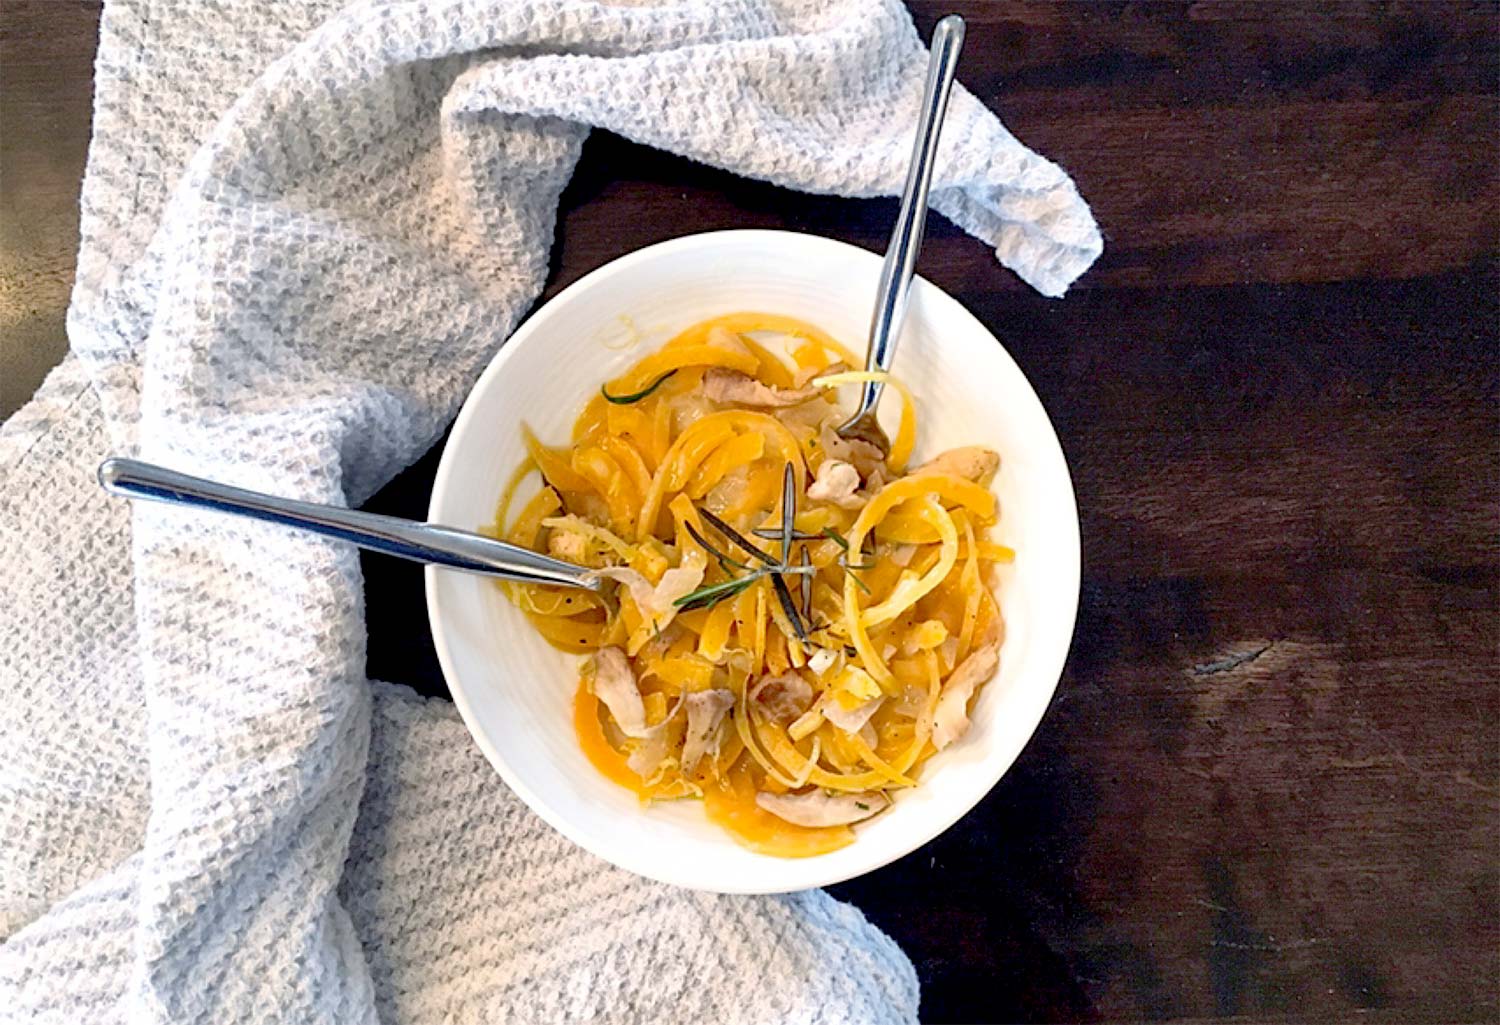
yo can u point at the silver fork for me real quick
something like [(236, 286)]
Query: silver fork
[(906, 237)]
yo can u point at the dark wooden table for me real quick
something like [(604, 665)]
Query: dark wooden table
[(1269, 786)]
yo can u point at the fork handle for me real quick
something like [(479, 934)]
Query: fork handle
[(906, 237), (406, 539)]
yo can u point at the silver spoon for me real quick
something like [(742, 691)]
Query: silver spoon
[(408, 539), (906, 237)]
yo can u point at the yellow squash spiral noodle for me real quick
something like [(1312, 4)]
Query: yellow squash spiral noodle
[(790, 687)]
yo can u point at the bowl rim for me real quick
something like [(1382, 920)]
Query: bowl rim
[(1051, 663)]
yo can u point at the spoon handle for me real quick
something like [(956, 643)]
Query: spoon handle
[(906, 237), (408, 539)]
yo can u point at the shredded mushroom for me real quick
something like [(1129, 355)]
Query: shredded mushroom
[(724, 385), (615, 685), (836, 482), (865, 457), (782, 697), (951, 719), (705, 710), (972, 462)]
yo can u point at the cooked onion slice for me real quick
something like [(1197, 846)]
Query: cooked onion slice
[(658, 603), (851, 720), (819, 808)]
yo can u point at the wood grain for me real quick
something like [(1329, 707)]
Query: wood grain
[(46, 83), (1269, 786)]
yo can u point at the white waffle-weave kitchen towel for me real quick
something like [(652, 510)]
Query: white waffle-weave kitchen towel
[(305, 230)]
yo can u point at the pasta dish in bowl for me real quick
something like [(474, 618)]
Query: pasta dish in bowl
[(748, 708)]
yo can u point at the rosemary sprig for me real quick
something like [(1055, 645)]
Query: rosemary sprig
[(844, 563), (704, 597), (784, 595), (855, 577), (774, 534), (807, 587), (776, 569), (725, 560), (625, 400), (712, 594), (788, 513), (827, 533), (750, 547), (788, 528)]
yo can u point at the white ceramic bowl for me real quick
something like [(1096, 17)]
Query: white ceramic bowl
[(515, 692)]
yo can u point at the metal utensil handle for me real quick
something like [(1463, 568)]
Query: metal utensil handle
[(407, 539), (906, 237)]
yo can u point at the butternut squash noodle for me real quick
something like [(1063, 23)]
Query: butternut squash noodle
[(790, 674)]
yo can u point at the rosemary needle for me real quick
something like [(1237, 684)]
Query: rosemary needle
[(750, 547), (625, 400)]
